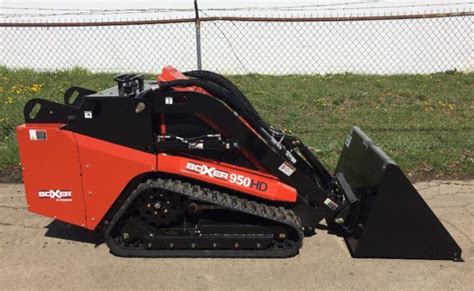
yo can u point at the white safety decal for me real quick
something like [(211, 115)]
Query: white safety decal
[(286, 168), (348, 140), (36, 134), (168, 100), (331, 204)]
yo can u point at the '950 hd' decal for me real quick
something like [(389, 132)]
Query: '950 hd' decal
[(246, 181), (238, 179)]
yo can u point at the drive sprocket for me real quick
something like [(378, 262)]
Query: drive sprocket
[(160, 207)]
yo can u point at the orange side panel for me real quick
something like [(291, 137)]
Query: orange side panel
[(107, 169), (51, 172), (228, 176), (169, 73)]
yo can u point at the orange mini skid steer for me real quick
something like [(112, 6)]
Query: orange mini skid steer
[(184, 166)]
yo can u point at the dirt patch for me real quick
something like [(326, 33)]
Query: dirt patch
[(423, 176), (11, 174)]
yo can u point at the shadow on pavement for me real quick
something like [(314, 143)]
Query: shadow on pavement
[(58, 229)]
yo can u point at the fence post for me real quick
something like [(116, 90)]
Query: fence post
[(197, 24)]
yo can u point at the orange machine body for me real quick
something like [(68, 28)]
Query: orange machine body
[(76, 178), (229, 176), (51, 172), (73, 177)]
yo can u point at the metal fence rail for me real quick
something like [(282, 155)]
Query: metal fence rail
[(420, 43)]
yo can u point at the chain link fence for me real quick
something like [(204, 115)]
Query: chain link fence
[(381, 45), (369, 47), (365, 44)]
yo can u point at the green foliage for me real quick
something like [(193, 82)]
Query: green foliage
[(424, 122)]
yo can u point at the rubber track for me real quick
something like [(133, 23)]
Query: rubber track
[(276, 214)]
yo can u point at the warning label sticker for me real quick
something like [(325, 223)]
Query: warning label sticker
[(331, 204), (286, 168), (88, 114), (37, 134), (348, 140)]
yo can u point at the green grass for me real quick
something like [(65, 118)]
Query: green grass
[(424, 122)]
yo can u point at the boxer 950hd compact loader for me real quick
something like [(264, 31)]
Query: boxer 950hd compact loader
[(183, 166)]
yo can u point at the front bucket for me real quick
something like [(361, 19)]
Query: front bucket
[(393, 220)]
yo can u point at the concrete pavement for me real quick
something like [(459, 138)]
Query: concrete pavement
[(33, 256)]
